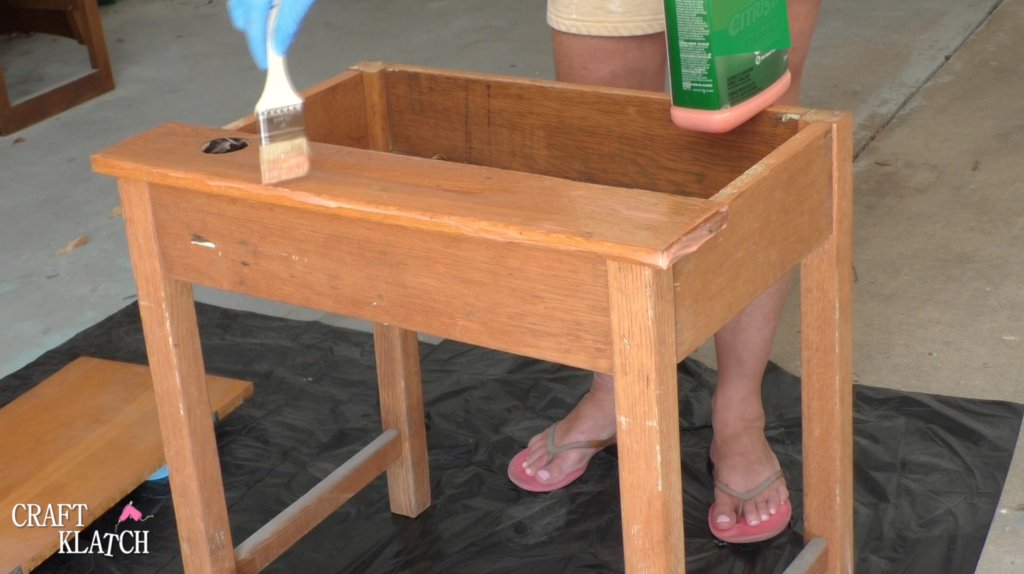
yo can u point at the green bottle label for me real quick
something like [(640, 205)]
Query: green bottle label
[(744, 26), (722, 52)]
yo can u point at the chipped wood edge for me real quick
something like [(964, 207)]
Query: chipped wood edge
[(692, 241)]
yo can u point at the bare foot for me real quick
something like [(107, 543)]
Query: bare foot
[(593, 418), (743, 460)]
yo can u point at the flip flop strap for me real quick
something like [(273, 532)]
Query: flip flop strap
[(554, 450), (745, 496)]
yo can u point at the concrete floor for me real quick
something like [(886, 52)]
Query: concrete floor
[(939, 302)]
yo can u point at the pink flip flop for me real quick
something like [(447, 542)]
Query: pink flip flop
[(517, 474), (743, 533)]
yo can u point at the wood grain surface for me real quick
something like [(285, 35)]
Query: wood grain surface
[(548, 304), (641, 226), (826, 335), (94, 438), (584, 133), (778, 211), (647, 417), (176, 362)]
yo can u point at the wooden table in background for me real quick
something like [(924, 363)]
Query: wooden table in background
[(76, 19), (569, 223)]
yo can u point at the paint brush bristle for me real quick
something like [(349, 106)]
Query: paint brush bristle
[(284, 160), (284, 149)]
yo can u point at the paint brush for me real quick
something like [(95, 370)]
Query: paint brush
[(284, 149)]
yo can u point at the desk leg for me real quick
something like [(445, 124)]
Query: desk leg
[(826, 285), (179, 381), (401, 408), (88, 13), (647, 413)]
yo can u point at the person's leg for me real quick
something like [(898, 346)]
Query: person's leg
[(637, 62), (742, 455), (740, 452)]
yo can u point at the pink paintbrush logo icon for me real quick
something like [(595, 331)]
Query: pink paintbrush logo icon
[(130, 512)]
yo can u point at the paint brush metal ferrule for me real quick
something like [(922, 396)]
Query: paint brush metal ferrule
[(280, 124)]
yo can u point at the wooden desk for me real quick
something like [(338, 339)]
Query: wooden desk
[(77, 19), (533, 217)]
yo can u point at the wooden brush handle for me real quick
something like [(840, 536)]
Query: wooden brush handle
[(278, 92)]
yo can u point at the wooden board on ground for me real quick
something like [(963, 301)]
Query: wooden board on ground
[(89, 434)]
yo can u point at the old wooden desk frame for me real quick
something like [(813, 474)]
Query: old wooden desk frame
[(535, 247), (77, 19)]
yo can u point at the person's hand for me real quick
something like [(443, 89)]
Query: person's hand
[(250, 17)]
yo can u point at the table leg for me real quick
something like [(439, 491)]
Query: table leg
[(401, 408), (827, 389), (647, 413), (183, 403), (88, 13)]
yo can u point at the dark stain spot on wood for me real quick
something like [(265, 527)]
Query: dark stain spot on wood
[(224, 145), (245, 263)]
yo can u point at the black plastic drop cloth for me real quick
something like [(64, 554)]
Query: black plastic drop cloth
[(929, 469)]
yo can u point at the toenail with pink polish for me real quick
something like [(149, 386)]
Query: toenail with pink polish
[(722, 518), (543, 474)]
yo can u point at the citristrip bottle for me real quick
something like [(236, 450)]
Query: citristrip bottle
[(728, 60)]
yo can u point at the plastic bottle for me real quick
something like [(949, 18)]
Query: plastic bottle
[(728, 60)]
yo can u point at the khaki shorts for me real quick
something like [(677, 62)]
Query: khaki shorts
[(607, 17)]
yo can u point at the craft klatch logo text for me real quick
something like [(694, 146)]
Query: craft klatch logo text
[(67, 516)]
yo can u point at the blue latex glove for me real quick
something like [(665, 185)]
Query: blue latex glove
[(250, 17)]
